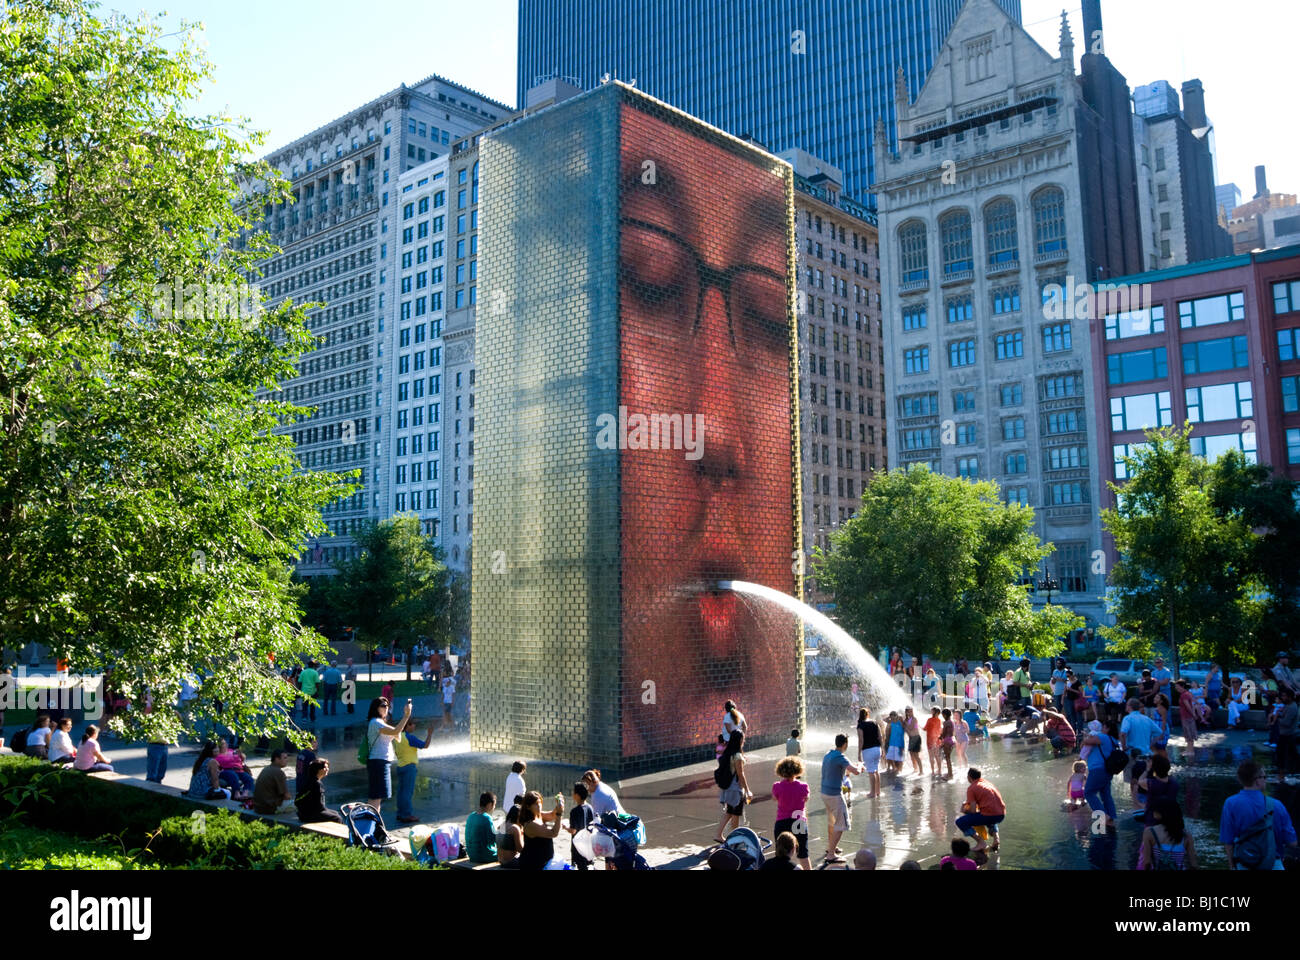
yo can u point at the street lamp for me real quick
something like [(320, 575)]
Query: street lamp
[(1049, 584)]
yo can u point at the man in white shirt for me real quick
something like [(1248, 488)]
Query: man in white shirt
[(38, 738), (515, 786)]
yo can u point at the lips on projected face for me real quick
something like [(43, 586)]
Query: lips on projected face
[(718, 618)]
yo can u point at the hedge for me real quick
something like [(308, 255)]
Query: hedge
[(160, 828), (31, 848)]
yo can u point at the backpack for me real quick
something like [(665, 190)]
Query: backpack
[(1115, 761), (723, 775), (363, 748), (1256, 848), (19, 742)]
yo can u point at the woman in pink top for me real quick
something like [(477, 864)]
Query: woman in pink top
[(89, 758), (791, 795)]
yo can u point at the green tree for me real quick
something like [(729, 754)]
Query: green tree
[(1267, 506), (935, 563), (1184, 576), (398, 589), (148, 513)]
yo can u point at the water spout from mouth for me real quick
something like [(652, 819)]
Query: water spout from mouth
[(882, 693)]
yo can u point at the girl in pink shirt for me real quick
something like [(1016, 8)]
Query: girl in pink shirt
[(791, 796), (89, 758)]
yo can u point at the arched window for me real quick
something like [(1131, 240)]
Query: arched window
[(913, 254), (1049, 221), (1000, 232), (954, 232)]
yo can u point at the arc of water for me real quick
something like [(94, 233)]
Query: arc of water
[(864, 664)]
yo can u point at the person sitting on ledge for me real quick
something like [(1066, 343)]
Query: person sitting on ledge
[(234, 770), (205, 777), (271, 791), (311, 795), (480, 840), (89, 758)]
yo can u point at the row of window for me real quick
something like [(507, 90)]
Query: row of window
[(1056, 338), (1001, 235)]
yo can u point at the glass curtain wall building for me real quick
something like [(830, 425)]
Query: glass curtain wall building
[(812, 74)]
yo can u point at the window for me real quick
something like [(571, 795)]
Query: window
[(1286, 296), (1160, 158), (408, 211), (1065, 458), (1293, 445), (1208, 311), (913, 255), (1290, 391), (917, 360), (1010, 345), (1223, 401), (1138, 365), (914, 318), (1209, 356), (967, 433), (923, 439), (1066, 421), (1288, 344), (1072, 562), (1165, 222), (959, 309), (1006, 300), (919, 405), (1016, 495), (1141, 411), (1065, 494), (968, 467), (1013, 395), (1000, 233), (1135, 323), (1013, 429), (963, 400), (1049, 221), (1123, 451), (1211, 448), (954, 232), (961, 353), (1056, 338), (1015, 463)]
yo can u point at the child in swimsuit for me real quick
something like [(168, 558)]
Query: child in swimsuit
[(1078, 778)]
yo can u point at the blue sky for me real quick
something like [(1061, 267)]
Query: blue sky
[(293, 66)]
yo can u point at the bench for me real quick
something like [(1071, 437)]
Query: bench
[(464, 863)]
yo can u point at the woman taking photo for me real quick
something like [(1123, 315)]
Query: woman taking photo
[(539, 840), (379, 740), (736, 795)]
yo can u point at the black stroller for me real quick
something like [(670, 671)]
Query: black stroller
[(366, 829)]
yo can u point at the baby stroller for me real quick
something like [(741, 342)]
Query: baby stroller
[(366, 829), (616, 838), (744, 850)]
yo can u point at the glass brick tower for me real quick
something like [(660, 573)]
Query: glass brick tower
[(638, 430), (812, 74)]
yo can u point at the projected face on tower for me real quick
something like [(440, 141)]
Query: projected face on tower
[(704, 319)]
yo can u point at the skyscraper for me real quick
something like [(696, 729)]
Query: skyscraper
[(811, 74)]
